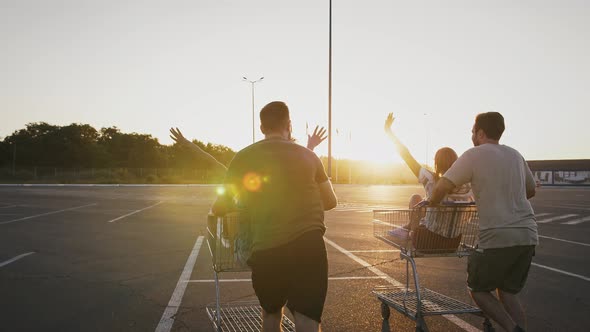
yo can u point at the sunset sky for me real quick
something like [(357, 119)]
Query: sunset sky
[(144, 66)]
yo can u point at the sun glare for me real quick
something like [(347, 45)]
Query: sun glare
[(252, 181)]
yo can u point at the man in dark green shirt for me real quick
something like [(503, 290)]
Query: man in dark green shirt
[(285, 190)]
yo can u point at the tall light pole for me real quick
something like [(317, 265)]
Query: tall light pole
[(427, 131), (252, 83), (330, 95), (350, 160)]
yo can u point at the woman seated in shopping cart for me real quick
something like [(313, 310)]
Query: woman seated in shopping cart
[(443, 159)]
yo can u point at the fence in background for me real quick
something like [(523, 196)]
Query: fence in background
[(108, 175), (341, 174)]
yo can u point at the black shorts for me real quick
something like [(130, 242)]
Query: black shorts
[(295, 274), (505, 269)]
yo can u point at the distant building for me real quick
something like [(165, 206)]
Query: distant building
[(571, 172)]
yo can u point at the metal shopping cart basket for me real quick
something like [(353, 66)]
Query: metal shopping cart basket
[(227, 242), (443, 231)]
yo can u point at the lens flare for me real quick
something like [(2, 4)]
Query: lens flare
[(252, 182), (220, 191)]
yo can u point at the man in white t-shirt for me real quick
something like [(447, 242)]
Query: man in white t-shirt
[(502, 183)]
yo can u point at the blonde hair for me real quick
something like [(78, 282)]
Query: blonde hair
[(443, 160)]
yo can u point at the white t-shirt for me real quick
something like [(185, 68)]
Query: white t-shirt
[(499, 176), (461, 193), (438, 222)]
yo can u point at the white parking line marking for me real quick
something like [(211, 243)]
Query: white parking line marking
[(250, 280), (562, 271), (134, 212), (167, 320), (376, 221), (14, 259), (565, 216), (356, 278), (452, 318), (8, 206), (562, 240), (561, 206), (45, 214), (537, 215), (577, 221)]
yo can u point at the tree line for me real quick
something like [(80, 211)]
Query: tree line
[(44, 152), (76, 145)]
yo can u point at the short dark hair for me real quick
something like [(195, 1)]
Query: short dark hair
[(492, 124), (274, 116)]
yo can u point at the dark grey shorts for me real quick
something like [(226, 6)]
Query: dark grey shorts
[(505, 269), (295, 274)]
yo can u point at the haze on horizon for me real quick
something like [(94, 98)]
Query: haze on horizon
[(145, 66)]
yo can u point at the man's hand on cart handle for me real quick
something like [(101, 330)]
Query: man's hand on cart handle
[(224, 203), (421, 204), (443, 186)]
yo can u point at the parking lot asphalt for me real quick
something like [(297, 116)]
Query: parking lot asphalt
[(114, 258)]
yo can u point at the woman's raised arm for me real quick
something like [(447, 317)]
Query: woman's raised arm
[(401, 148)]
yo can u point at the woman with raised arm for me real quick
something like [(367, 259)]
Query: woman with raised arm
[(443, 159)]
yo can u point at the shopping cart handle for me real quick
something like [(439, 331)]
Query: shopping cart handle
[(463, 203), (444, 203), (422, 204)]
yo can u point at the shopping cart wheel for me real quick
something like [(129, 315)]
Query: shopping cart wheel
[(487, 326), (385, 314)]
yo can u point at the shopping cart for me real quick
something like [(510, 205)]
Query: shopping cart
[(443, 231), (226, 244)]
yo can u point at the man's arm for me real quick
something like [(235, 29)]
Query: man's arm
[(530, 181), (224, 202), (230, 193), (460, 172), (177, 137), (443, 186), (329, 200)]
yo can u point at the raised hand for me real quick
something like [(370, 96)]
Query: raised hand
[(388, 123), (177, 137), (316, 138)]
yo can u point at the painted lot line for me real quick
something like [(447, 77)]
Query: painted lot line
[(577, 221), (562, 240), (565, 216), (14, 259), (454, 319), (45, 214), (8, 206), (167, 319), (561, 271), (134, 212), (561, 206), (250, 280)]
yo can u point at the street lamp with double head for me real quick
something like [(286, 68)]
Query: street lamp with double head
[(252, 83)]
